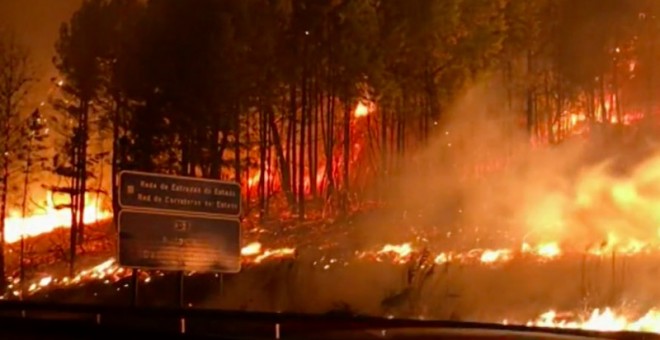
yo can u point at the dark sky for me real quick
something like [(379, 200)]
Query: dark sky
[(36, 23)]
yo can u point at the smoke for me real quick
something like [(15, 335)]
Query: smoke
[(479, 182), (482, 178)]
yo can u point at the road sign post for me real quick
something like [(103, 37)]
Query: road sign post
[(178, 223)]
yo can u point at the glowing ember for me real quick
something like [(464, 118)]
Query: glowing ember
[(50, 218)]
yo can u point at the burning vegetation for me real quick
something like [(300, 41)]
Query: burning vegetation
[(436, 159)]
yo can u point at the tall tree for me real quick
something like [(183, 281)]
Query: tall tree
[(81, 46), (15, 76)]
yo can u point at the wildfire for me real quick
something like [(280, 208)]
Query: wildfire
[(402, 253), (597, 320), (608, 319), (50, 217), (108, 271)]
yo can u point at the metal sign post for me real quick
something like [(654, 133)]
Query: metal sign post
[(178, 224), (134, 283)]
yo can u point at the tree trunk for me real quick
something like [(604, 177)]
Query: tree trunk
[(116, 167), (291, 141), (281, 159), (330, 145), (269, 163), (248, 194), (314, 140), (263, 169), (74, 229), (237, 145), (216, 152), (616, 91), (3, 205), (301, 159), (529, 108), (76, 148), (347, 158), (604, 112), (26, 183), (83, 169), (383, 148)]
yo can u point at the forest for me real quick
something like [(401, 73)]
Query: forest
[(312, 105)]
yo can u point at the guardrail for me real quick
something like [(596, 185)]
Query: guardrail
[(206, 322)]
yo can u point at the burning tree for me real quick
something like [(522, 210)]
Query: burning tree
[(31, 157), (79, 60), (197, 90), (15, 75)]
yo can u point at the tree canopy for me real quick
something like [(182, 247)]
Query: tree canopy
[(265, 92)]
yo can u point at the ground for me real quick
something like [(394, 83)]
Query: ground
[(518, 290), (337, 279)]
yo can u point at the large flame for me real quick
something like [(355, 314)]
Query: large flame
[(50, 217), (601, 320), (600, 210), (621, 211)]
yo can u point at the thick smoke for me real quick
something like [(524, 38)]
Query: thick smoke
[(480, 183), (480, 174)]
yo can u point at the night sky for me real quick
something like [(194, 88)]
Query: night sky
[(37, 23)]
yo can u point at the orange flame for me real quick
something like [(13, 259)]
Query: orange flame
[(51, 218), (605, 320), (361, 110)]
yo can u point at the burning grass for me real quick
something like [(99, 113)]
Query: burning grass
[(421, 278), (588, 245), (491, 285)]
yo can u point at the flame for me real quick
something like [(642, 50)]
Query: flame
[(441, 258), (402, 250), (605, 320), (490, 256), (601, 211), (253, 248), (546, 250), (255, 253), (361, 110), (400, 253), (51, 218)]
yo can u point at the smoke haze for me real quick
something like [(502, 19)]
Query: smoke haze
[(479, 183)]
